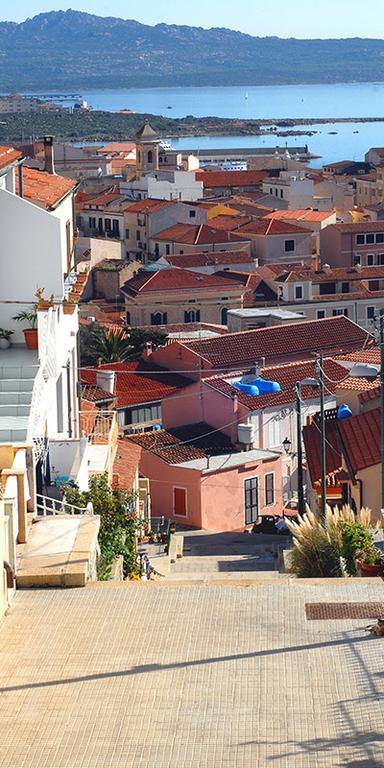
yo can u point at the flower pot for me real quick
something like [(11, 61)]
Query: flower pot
[(5, 343), (31, 339), (69, 309), (370, 570), (43, 306)]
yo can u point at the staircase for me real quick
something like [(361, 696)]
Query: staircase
[(18, 372)]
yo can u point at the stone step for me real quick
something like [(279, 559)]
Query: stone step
[(13, 429), (15, 398), (18, 371), (16, 385), (14, 409)]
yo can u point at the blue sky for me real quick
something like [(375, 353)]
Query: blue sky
[(297, 18)]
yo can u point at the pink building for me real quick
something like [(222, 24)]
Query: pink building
[(199, 478), (344, 245)]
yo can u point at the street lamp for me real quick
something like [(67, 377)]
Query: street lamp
[(300, 476)]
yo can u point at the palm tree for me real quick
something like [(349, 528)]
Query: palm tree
[(103, 346)]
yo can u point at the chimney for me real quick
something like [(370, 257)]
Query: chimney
[(106, 380), (49, 162), (147, 350)]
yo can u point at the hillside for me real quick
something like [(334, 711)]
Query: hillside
[(73, 50)]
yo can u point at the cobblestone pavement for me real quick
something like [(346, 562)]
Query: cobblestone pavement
[(161, 676)]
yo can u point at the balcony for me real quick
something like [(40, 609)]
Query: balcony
[(101, 431)]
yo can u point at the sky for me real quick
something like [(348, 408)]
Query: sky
[(297, 18)]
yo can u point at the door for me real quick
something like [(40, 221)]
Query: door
[(251, 500), (180, 502)]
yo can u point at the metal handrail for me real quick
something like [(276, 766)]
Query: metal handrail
[(46, 506)]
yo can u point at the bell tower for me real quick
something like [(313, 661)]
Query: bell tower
[(147, 150)]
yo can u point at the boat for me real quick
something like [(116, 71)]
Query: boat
[(246, 97), (332, 133), (169, 107), (355, 131)]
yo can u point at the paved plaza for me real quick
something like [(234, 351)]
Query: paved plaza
[(167, 676)]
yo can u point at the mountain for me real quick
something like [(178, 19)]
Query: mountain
[(74, 50)]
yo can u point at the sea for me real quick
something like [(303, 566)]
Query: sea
[(331, 141)]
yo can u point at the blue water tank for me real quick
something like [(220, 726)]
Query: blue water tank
[(344, 412), (247, 389), (266, 387)]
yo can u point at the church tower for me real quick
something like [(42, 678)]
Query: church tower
[(147, 150)]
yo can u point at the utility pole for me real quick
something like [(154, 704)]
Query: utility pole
[(300, 488), (323, 500)]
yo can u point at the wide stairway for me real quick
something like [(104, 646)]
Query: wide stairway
[(18, 368)]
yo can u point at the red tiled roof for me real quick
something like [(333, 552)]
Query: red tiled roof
[(296, 340), (117, 147), (213, 179), (370, 356), (300, 215), (8, 155), (229, 223), (186, 260), (139, 382), (125, 465), (45, 188), (149, 205), (286, 376), (192, 234), (328, 276), (203, 441), (174, 279), (360, 437), (94, 394), (354, 384), (272, 227), (104, 198), (333, 448), (361, 227), (369, 395)]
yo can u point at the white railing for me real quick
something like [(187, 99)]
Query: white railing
[(48, 342), (37, 413), (46, 507)]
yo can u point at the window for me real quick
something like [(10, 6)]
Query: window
[(370, 239), (270, 191), (326, 288), (115, 226), (107, 225), (192, 214), (159, 318), (100, 224), (142, 415), (298, 291), (167, 249), (370, 313), (192, 316), (127, 234), (269, 489), (274, 434), (224, 316), (340, 311), (251, 500), (370, 260), (380, 237), (180, 502), (289, 246), (344, 287), (276, 193), (380, 259), (281, 193), (92, 222), (150, 156), (320, 314), (138, 235), (360, 239)]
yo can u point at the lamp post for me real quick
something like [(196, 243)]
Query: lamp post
[(300, 473)]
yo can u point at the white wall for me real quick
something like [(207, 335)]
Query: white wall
[(30, 256)]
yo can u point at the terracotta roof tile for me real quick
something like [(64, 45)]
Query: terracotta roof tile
[(175, 279), (45, 188), (149, 205), (186, 260), (286, 376), (370, 356), (295, 341), (333, 446), (193, 234), (139, 382), (203, 441), (361, 227), (272, 227), (361, 439), (8, 156), (229, 223), (300, 215)]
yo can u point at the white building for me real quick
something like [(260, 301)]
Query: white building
[(165, 185)]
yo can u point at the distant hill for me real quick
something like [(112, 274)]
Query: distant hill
[(73, 50)]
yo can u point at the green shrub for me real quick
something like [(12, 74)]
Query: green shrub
[(354, 537)]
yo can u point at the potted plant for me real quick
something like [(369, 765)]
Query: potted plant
[(30, 333), (42, 303), (69, 305), (5, 338), (370, 561)]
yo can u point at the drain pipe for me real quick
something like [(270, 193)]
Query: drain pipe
[(21, 183)]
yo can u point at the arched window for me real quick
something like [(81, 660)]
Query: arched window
[(192, 316), (159, 318), (150, 157), (224, 316)]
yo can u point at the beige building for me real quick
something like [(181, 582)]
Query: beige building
[(172, 296), (274, 241), (370, 188)]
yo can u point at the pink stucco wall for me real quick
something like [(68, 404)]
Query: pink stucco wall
[(215, 501), (176, 357), (201, 403)]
